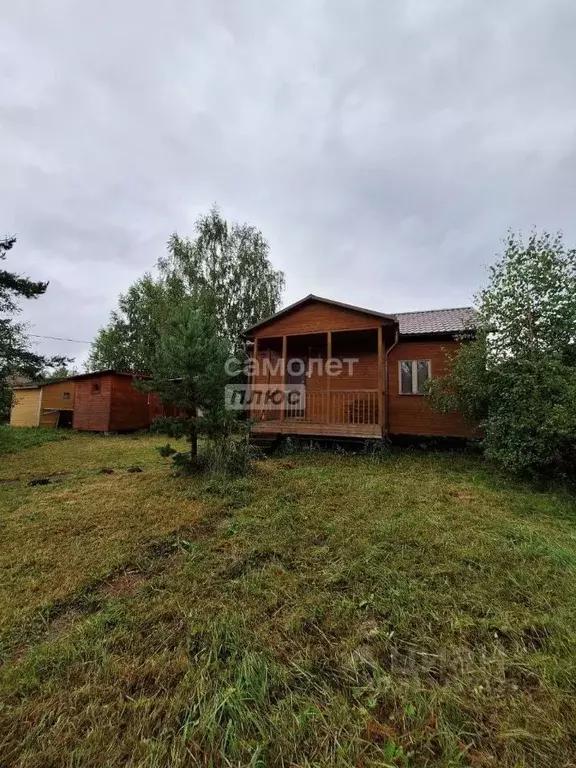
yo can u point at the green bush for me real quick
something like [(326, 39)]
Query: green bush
[(516, 381)]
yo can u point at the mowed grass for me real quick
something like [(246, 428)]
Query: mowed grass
[(325, 611)]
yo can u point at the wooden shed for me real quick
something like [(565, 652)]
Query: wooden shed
[(50, 404), (107, 401)]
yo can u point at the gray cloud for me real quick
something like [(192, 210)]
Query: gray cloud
[(383, 148)]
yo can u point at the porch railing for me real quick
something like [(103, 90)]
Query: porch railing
[(335, 407)]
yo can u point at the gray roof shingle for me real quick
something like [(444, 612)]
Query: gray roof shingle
[(436, 321)]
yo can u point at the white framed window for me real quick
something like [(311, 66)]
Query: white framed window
[(413, 375)]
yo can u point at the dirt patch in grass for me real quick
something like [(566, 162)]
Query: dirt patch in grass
[(123, 585)]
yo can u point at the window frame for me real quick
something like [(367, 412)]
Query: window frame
[(65, 395), (414, 373)]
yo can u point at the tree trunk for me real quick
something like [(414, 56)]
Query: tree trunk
[(193, 438)]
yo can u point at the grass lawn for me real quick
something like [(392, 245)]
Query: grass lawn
[(13, 440), (326, 611)]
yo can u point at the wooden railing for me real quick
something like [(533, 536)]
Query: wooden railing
[(336, 407)]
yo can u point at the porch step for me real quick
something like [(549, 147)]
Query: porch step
[(265, 442)]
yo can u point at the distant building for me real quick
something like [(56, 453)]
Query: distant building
[(102, 401), (43, 405)]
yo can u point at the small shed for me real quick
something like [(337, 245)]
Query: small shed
[(107, 401), (48, 404)]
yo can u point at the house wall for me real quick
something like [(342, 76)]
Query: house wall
[(411, 414), (53, 398), (24, 411), (91, 408)]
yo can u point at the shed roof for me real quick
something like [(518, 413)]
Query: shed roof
[(41, 384), (109, 372), (90, 374)]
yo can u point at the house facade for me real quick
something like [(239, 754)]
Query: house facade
[(347, 371)]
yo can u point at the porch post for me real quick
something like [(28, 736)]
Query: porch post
[(284, 355), (328, 378), (380, 382), (253, 374)]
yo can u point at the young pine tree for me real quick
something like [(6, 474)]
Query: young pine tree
[(189, 372)]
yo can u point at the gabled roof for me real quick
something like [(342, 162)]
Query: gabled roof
[(312, 297), (432, 321), (424, 323)]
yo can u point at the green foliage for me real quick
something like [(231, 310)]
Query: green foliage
[(166, 450), (227, 262), (517, 379), (59, 372), (231, 456), (16, 357), (529, 304), (188, 371), (129, 340), (15, 440)]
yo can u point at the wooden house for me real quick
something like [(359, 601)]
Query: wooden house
[(48, 404), (361, 373), (107, 401)]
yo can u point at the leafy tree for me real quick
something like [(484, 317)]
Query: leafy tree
[(226, 264), (517, 379), (128, 342), (229, 263), (59, 372), (16, 357)]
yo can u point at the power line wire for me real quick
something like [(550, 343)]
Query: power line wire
[(58, 338)]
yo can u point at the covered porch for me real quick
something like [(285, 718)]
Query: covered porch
[(339, 373)]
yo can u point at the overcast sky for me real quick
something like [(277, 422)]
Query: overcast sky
[(383, 148)]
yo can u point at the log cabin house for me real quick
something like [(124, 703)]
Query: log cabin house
[(364, 372)]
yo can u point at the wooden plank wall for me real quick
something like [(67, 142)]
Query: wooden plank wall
[(411, 414), (317, 317), (24, 411), (92, 409), (129, 408)]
